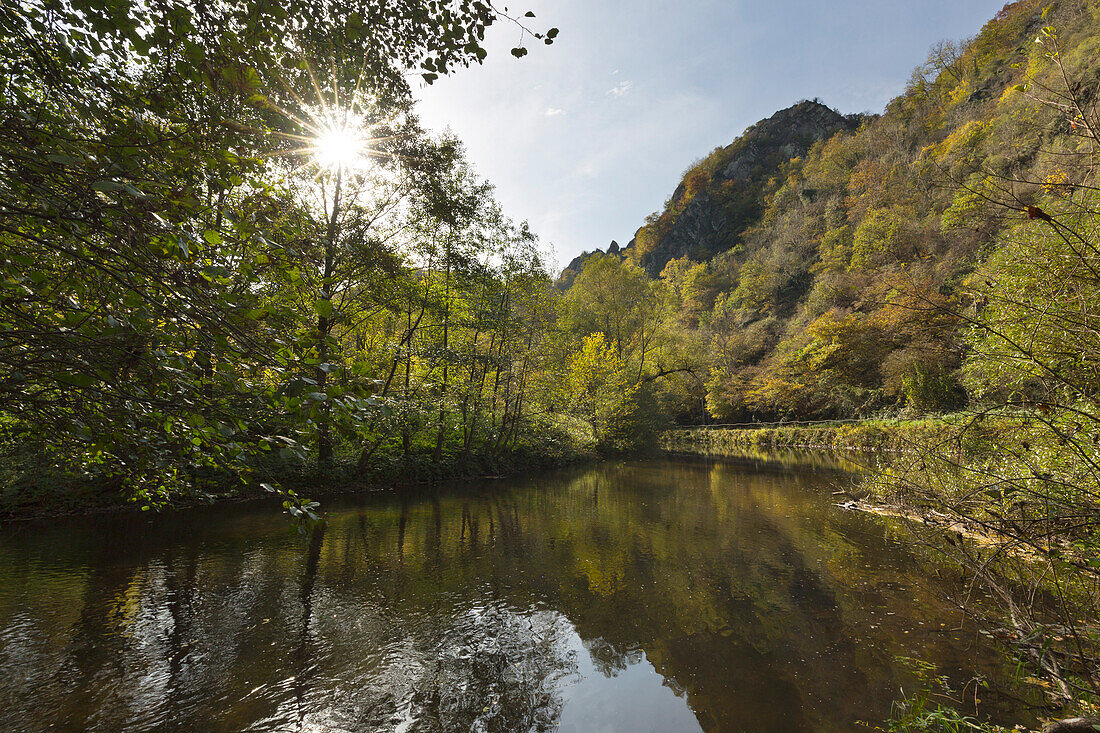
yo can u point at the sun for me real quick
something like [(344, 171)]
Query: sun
[(334, 138), (340, 147)]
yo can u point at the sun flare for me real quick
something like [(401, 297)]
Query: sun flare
[(340, 147)]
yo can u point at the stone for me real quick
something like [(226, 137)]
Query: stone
[(1073, 725)]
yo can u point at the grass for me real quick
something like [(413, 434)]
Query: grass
[(886, 435)]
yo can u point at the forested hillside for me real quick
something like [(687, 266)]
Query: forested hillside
[(941, 258), (827, 266)]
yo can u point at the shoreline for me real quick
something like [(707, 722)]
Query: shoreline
[(894, 436), (311, 483)]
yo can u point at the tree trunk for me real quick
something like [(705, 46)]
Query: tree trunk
[(324, 330)]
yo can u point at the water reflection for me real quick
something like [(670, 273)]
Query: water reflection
[(655, 595), (853, 461)]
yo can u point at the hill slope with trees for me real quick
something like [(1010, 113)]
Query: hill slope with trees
[(823, 265)]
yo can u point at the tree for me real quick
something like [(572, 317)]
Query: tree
[(612, 298), (600, 390), (146, 196)]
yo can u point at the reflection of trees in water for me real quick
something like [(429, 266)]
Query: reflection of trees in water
[(304, 652), (607, 659), (732, 582), (734, 585)]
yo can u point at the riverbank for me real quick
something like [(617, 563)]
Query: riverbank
[(890, 436), (58, 496)]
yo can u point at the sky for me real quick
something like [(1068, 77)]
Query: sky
[(586, 137)]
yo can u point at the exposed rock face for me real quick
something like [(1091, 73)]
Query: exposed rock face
[(565, 280), (789, 132), (718, 213), (700, 231), (712, 223)]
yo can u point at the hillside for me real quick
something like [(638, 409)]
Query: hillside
[(818, 265), (721, 195)]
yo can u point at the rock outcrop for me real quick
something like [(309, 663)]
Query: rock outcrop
[(565, 280), (716, 215), (709, 216)]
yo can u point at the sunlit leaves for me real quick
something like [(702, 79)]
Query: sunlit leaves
[(160, 290)]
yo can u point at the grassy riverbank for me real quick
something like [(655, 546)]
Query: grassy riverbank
[(895, 436)]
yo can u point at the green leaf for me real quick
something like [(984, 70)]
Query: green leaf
[(322, 307), (519, 52), (75, 379), (212, 238)]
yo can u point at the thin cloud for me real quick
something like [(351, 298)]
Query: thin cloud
[(621, 89), (587, 169), (553, 111)]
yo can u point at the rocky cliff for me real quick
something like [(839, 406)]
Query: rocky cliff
[(722, 195), (577, 264)]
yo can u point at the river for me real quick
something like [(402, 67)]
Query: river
[(645, 595)]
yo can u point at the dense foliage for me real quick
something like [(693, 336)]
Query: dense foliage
[(191, 291), (187, 290)]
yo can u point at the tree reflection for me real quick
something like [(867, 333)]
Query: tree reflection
[(753, 598), (608, 660), (303, 657)]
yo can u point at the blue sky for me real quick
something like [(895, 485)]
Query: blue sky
[(586, 137)]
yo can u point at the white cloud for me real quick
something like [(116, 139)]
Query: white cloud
[(621, 89), (553, 111)]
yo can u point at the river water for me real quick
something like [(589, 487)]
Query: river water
[(651, 595)]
